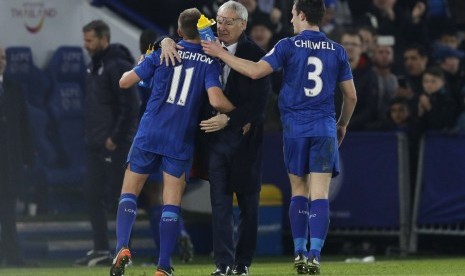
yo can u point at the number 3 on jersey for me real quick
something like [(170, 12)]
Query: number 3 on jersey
[(314, 76), (185, 86)]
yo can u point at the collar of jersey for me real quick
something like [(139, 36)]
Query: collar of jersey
[(312, 33), (190, 45)]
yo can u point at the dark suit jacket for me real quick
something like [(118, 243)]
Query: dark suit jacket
[(18, 145), (249, 97)]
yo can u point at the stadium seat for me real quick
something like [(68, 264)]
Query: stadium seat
[(64, 177), (66, 107), (67, 72), (34, 81), (67, 65)]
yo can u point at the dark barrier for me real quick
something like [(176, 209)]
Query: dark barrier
[(439, 206), (366, 193), (370, 196)]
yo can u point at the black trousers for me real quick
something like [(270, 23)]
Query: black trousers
[(226, 250), (105, 173), (9, 236)]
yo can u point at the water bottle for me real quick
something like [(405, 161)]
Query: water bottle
[(147, 83), (204, 26)]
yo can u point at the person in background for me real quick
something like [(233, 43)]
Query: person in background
[(312, 66), (449, 60), (16, 151), (369, 38), (365, 80), (415, 62), (165, 138), (273, 16), (401, 119), (261, 33), (383, 58), (111, 118), (151, 197), (388, 18), (329, 25), (437, 109)]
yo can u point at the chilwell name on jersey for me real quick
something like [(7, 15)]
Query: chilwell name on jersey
[(195, 56), (323, 45)]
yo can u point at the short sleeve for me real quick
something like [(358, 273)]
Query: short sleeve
[(213, 75), (147, 67), (276, 56)]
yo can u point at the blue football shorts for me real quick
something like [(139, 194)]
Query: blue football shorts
[(311, 154), (146, 162)]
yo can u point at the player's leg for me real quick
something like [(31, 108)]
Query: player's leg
[(153, 203), (140, 164), (298, 216), (324, 163), (126, 215), (296, 160), (173, 189), (319, 217)]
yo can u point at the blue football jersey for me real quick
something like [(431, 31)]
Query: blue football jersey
[(312, 67), (169, 123)]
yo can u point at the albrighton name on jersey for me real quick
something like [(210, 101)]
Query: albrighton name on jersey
[(195, 56)]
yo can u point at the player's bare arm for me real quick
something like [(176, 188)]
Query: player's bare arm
[(218, 100), (253, 70), (348, 105), (128, 79)]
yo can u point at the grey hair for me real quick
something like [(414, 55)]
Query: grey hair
[(237, 7)]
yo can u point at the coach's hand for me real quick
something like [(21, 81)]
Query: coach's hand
[(213, 48), (246, 128), (109, 145), (215, 123), (169, 51)]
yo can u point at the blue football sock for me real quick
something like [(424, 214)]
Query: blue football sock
[(298, 215), (319, 223), (125, 217), (169, 230), (155, 216)]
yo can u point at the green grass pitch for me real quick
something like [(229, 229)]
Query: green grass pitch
[(267, 266)]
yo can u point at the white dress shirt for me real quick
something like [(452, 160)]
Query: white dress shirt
[(226, 69)]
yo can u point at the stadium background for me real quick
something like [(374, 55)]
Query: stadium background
[(52, 222)]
